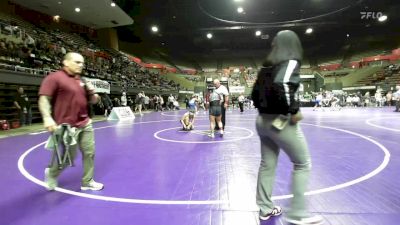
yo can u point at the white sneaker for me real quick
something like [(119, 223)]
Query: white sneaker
[(221, 133), (211, 135), (311, 220), (276, 211), (51, 182), (93, 186)]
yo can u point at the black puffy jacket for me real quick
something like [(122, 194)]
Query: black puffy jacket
[(275, 91)]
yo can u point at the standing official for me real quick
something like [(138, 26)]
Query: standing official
[(223, 92), (64, 99)]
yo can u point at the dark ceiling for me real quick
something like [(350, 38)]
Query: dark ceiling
[(183, 25)]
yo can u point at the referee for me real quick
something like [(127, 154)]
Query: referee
[(224, 94)]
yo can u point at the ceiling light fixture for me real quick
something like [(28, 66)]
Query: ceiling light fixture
[(240, 10), (209, 35), (382, 18), (154, 29), (309, 30), (238, 0), (258, 33), (56, 18), (77, 9), (113, 4)]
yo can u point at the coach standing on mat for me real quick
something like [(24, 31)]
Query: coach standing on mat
[(222, 91), (64, 99), (275, 94)]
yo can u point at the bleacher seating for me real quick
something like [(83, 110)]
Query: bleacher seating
[(391, 76), (372, 79), (336, 73), (362, 55), (46, 55), (38, 51)]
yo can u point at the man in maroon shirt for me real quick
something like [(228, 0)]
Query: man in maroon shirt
[(64, 100)]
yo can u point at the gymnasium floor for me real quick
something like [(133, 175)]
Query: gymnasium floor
[(155, 174)]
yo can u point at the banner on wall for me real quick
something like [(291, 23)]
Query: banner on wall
[(236, 89), (359, 88), (186, 92), (100, 86)]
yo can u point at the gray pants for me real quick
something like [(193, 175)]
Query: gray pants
[(85, 140), (291, 140)]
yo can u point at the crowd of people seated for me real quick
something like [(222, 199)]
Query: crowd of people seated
[(357, 99), (391, 69), (19, 51), (193, 78)]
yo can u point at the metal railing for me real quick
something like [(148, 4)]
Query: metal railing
[(18, 68), (11, 30)]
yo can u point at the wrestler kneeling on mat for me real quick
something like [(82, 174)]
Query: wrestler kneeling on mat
[(187, 120)]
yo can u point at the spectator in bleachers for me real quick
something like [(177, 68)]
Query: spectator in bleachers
[(63, 50), (28, 41), (3, 48)]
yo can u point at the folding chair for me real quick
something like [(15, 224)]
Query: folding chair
[(62, 155)]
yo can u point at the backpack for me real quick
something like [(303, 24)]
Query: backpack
[(4, 125)]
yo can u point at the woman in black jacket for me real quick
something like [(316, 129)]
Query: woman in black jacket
[(276, 98)]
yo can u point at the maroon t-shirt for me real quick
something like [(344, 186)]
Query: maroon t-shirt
[(69, 102)]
